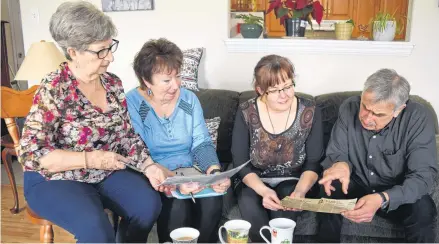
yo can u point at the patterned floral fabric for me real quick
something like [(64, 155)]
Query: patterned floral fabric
[(281, 154), (61, 117), (212, 126), (189, 69)]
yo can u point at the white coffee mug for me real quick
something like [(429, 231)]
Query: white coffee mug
[(237, 231), (185, 235), (281, 230)]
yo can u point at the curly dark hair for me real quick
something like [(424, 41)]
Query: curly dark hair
[(156, 56)]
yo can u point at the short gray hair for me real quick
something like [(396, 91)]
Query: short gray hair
[(79, 24), (388, 86)]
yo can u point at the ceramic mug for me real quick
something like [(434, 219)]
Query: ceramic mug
[(185, 235), (237, 231), (281, 230)]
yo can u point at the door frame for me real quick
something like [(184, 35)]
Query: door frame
[(17, 40)]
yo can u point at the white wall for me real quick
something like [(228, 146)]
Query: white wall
[(196, 23)]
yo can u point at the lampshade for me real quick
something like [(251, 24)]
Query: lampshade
[(41, 59)]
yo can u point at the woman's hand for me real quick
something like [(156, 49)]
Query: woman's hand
[(188, 188), (99, 159), (156, 174), (270, 200), (221, 186), (296, 194)]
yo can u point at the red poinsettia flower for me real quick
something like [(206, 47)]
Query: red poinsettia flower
[(303, 9)]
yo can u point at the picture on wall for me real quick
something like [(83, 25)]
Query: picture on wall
[(127, 5)]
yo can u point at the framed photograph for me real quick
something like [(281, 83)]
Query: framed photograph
[(127, 5)]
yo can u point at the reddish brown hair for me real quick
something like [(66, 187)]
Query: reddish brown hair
[(156, 56), (272, 70)]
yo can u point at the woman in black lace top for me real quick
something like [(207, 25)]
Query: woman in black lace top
[(282, 134)]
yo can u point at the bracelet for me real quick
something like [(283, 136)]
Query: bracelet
[(85, 159), (147, 166)]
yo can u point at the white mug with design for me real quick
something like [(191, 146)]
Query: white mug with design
[(237, 231), (281, 230)]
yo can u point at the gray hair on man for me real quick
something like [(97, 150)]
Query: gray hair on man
[(79, 24), (388, 86)]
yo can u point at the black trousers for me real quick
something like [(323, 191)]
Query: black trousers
[(250, 206), (204, 215), (417, 218)]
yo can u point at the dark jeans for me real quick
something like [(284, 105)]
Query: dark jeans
[(417, 218), (203, 215), (79, 207), (250, 206)]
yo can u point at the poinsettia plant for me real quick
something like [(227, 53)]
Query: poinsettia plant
[(302, 9)]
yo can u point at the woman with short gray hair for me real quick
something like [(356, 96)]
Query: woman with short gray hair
[(78, 146)]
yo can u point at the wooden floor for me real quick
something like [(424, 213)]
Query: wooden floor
[(16, 228)]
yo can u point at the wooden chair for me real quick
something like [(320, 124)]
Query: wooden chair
[(16, 104)]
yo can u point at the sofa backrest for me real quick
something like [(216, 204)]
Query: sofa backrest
[(224, 103)]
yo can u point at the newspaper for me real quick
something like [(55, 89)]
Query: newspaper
[(202, 179), (323, 205)]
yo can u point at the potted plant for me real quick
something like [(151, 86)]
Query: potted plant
[(293, 14), (384, 26), (343, 30), (252, 26)]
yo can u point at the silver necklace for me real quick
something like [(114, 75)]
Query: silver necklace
[(286, 123)]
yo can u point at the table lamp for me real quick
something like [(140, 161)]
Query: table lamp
[(41, 59)]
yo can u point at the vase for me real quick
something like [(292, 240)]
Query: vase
[(251, 30), (295, 27), (384, 34), (343, 31)]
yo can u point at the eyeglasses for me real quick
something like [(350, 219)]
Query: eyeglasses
[(104, 52), (285, 89)]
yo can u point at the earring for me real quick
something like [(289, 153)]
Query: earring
[(149, 92), (77, 64)]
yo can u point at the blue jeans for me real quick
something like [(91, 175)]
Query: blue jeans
[(79, 207)]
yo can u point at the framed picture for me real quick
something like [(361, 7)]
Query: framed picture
[(127, 5)]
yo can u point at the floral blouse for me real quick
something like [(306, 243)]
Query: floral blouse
[(61, 117)]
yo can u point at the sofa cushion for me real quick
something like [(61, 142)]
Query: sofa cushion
[(189, 68), (223, 104), (212, 127)]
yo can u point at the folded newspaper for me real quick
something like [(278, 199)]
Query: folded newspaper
[(183, 175), (323, 205)]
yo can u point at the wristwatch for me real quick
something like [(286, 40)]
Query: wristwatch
[(385, 202), (214, 171)]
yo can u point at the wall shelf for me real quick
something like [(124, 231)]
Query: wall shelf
[(315, 46)]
